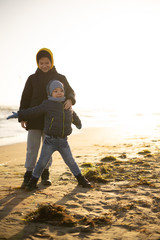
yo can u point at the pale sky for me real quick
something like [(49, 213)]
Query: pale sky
[(109, 50)]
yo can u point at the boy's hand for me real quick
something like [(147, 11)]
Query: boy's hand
[(79, 126), (24, 124), (14, 115), (67, 104)]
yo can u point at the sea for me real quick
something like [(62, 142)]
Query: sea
[(131, 125)]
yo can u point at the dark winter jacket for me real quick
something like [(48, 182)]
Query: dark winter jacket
[(34, 93), (57, 120)]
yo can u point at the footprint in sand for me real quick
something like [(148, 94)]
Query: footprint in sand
[(72, 204)]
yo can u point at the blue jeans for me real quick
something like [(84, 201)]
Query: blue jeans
[(50, 145)]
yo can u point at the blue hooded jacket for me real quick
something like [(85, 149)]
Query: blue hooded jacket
[(57, 120)]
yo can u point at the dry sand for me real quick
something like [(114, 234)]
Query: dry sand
[(130, 199)]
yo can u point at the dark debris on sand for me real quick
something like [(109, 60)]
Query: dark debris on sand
[(57, 215)]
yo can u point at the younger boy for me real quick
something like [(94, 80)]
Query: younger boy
[(57, 126)]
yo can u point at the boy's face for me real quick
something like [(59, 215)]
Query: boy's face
[(58, 93), (44, 64)]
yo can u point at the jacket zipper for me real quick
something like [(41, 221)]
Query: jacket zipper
[(63, 121), (51, 123)]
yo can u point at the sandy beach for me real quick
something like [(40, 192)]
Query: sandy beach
[(124, 202)]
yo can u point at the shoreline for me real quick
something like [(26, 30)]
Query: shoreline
[(106, 134)]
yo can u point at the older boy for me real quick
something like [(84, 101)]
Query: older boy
[(33, 94)]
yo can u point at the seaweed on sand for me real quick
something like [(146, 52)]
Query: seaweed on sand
[(132, 170), (87, 164), (105, 219), (98, 173), (108, 159), (53, 214), (57, 215), (144, 152)]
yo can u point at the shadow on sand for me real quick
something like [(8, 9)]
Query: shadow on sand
[(40, 229)]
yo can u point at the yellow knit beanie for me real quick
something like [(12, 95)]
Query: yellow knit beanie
[(45, 52)]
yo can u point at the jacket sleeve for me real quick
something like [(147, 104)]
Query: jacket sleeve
[(69, 92), (26, 114), (76, 121), (26, 95)]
